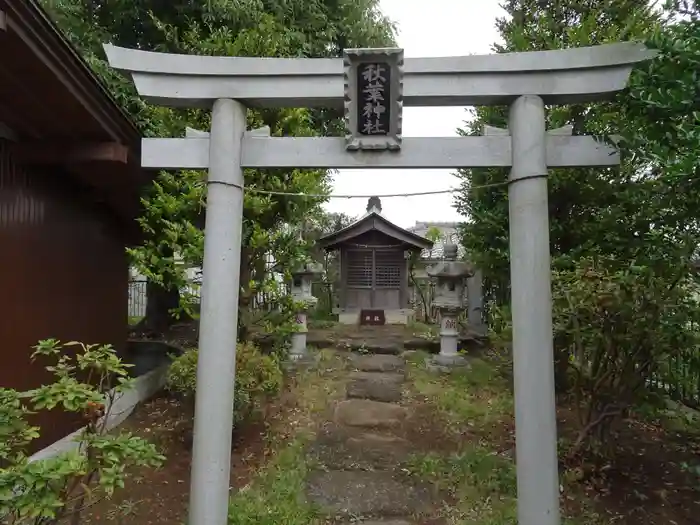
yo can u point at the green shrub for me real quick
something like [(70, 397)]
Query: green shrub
[(59, 488), (258, 376), (320, 324), (616, 327)]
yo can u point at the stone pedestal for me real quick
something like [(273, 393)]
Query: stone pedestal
[(449, 334), (302, 279), (450, 275), (298, 349)]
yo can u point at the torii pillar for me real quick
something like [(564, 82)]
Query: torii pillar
[(531, 306)]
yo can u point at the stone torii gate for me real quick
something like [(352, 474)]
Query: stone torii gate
[(524, 81)]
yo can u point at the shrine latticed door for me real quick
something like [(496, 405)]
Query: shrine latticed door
[(374, 278)]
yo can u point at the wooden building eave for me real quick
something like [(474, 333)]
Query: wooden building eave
[(28, 20), (374, 221), (58, 114), (53, 152)]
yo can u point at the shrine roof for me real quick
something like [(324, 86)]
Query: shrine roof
[(373, 220)]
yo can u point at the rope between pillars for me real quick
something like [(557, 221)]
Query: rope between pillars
[(224, 183), (368, 195), (527, 177), (375, 246)]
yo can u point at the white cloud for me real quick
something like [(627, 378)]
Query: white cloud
[(438, 28)]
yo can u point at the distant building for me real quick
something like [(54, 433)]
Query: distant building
[(449, 232)]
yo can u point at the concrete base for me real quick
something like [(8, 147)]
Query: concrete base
[(396, 316), (299, 363), (298, 348), (446, 364)]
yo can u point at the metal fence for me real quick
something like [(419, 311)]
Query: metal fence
[(138, 295), (679, 377), (137, 298)]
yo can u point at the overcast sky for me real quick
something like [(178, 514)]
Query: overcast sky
[(436, 28)]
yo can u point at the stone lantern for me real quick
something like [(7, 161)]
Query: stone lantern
[(451, 275), (302, 278)]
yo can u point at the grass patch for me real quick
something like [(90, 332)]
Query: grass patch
[(275, 495), (321, 323), (672, 416), (419, 329), (318, 387), (481, 483), (477, 405), (477, 398), (483, 487)]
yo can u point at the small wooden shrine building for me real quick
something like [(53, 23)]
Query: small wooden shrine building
[(374, 271)]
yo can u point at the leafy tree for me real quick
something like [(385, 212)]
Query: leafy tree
[(325, 224), (634, 227), (578, 198), (660, 113), (173, 208), (420, 286), (433, 234)]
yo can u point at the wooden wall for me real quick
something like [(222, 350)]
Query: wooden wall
[(63, 274)]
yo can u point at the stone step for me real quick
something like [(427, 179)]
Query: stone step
[(377, 347), (368, 413), (392, 346), (344, 448), (388, 521), (367, 494), (379, 386), (379, 363)]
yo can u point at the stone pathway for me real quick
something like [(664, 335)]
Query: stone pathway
[(387, 339), (358, 451)]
